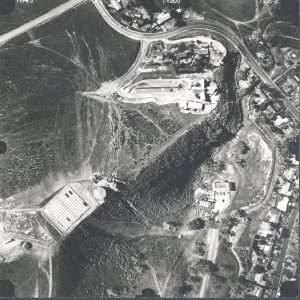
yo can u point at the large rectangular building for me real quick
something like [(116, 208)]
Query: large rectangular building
[(68, 207)]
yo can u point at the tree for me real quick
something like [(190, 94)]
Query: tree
[(201, 251), (244, 148), (213, 267), (197, 224), (259, 269), (204, 266), (221, 166), (185, 289)]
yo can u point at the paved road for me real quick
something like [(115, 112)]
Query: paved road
[(145, 38), (130, 74), (52, 14), (19, 210), (209, 26), (204, 285), (241, 47), (213, 242), (50, 282)]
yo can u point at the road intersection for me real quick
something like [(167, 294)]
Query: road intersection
[(207, 26), (145, 39)]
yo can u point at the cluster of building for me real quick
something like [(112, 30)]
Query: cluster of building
[(185, 70), (189, 55), (27, 226), (266, 250), (268, 256), (261, 267), (211, 203), (288, 184), (260, 49), (291, 261), (143, 17), (290, 84), (41, 227), (273, 111), (290, 57)]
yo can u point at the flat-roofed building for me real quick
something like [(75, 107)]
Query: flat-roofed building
[(222, 186), (70, 206), (282, 204), (221, 195)]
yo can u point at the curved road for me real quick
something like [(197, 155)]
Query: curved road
[(146, 38), (230, 36), (209, 26)]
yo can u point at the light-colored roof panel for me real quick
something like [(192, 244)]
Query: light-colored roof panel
[(69, 207)]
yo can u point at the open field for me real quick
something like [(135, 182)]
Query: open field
[(227, 271), (240, 10), (283, 34), (25, 12), (252, 161), (57, 130), (22, 273), (41, 85), (255, 168)]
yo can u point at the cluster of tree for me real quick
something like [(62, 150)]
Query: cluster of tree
[(206, 266), (185, 289), (148, 293), (244, 147), (196, 224), (201, 248)]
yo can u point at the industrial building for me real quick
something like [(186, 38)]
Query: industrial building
[(69, 207)]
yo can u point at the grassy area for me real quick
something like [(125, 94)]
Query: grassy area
[(284, 28), (39, 98), (83, 32), (240, 10), (245, 239), (22, 273), (253, 160), (25, 12), (284, 34), (90, 268), (47, 125), (206, 9), (222, 280)]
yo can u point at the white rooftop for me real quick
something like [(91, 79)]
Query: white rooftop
[(71, 205), (285, 189), (265, 229), (283, 204), (280, 121), (289, 174)]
